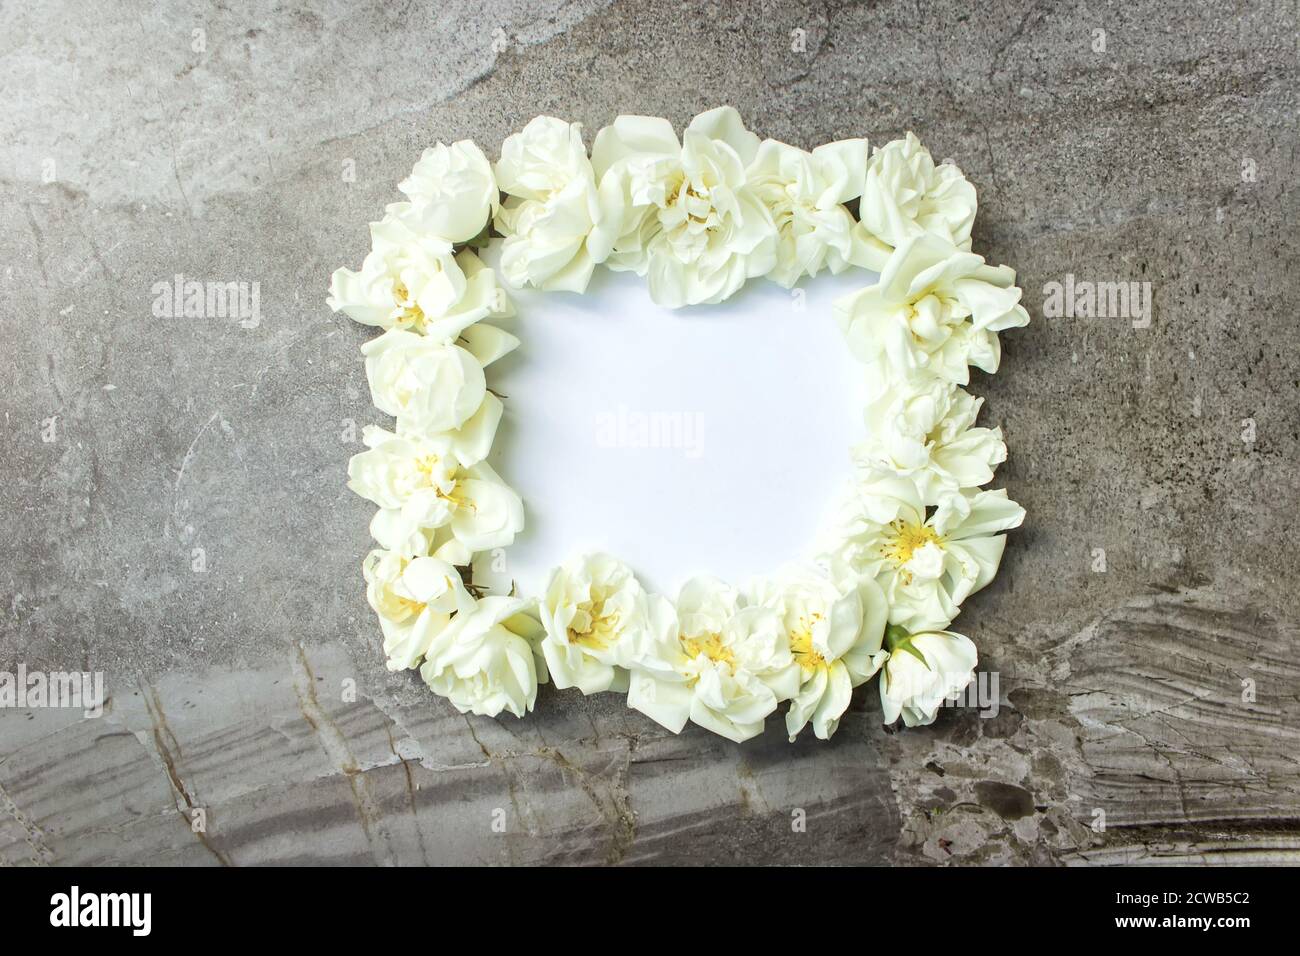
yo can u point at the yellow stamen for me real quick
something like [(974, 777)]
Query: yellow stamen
[(600, 633), (801, 645), (411, 606), (907, 538), (711, 646), (457, 500), (412, 316)]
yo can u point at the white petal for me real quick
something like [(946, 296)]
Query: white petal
[(668, 703), (473, 440), (834, 702), (487, 343)]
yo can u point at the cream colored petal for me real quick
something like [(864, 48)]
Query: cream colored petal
[(632, 135), (833, 703), (667, 703), (804, 704), (487, 343), (733, 730), (350, 293), (473, 440), (453, 551), (489, 516), (723, 123)]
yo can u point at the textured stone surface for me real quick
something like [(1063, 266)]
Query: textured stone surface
[(1164, 151)]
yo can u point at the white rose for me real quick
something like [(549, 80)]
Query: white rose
[(431, 385), (411, 280), (923, 671), (551, 206), (415, 599), (906, 195), (926, 567), (595, 614), (722, 666), (434, 387), (935, 310), (452, 191), (486, 660), (804, 193), (834, 621), (420, 485), (924, 429), (683, 213)]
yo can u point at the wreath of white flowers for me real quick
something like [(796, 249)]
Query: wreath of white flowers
[(914, 535)]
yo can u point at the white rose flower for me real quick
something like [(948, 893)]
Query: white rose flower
[(486, 660), (935, 310), (551, 209), (722, 666), (683, 213), (434, 387), (926, 566), (923, 429), (411, 280), (923, 671), (907, 195), (834, 622), (596, 617), (452, 191), (420, 485), (804, 193), (415, 599)]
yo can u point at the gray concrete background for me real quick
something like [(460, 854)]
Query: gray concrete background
[(128, 154)]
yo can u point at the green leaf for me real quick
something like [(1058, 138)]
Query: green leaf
[(895, 635), (898, 638), (907, 646)]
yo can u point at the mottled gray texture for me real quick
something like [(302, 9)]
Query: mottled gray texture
[(1169, 157)]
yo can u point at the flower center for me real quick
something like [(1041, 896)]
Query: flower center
[(411, 606), (410, 315), (697, 206), (599, 630), (801, 645), (711, 646), (906, 539), (401, 608), (687, 216), (457, 500)]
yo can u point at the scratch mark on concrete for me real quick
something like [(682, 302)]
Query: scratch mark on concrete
[(180, 475), (33, 834)]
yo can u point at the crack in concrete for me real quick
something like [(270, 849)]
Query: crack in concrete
[(335, 745), (158, 720)]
